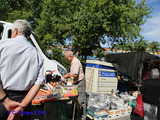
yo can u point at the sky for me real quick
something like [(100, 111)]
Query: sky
[(151, 29)]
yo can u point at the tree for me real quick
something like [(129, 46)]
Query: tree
[(8, 6), (154, 46), (125, 31), (137, 45), (99, 54), (140, 45), (86, 23), (57, 55), (119, 20)]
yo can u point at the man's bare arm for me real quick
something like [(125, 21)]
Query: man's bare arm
[(8, 103), (30, 95), (69, 75)]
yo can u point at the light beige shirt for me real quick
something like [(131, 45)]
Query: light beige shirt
[(76, 68)]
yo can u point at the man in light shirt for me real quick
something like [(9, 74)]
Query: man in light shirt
[(21, 72), (76, 71)]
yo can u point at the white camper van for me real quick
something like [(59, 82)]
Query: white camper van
[(49, 65)]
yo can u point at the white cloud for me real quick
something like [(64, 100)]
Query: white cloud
[(152, 28)]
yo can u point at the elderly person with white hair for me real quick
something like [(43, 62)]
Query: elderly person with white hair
[(151, 93), (76, 71), (21, 73)]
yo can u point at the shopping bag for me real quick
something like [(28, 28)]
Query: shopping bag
[(139, 106)]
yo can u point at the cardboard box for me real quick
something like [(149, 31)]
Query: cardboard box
[(111, 114), (129, 110), (117, 113), (69, 91), (102, 115), (123, 112)]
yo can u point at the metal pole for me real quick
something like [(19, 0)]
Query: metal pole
[(74, 107)]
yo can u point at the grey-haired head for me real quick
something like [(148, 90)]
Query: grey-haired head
[(23, 27), (68, 54), (154, 73)]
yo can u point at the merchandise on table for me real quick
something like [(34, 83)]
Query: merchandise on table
[(115, 105), (42, 97), (54, 91), (68, 91)]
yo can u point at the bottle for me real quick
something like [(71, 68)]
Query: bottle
[(112, 92)]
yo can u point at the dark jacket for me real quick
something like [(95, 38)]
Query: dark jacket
[(151, 91)]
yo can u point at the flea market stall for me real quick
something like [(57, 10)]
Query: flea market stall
[(103, 100), (130, 63), (111, 104), (51, 101)]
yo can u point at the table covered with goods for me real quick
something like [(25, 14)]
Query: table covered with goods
[(109, 106), (50, 93), (52, 99)]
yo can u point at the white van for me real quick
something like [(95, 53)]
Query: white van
[(49, 65)]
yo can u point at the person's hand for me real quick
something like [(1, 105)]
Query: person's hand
[(63, 79), (10, 104), (66, 76), (16, 114)]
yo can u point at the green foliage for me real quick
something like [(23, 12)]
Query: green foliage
[(140, 45), (8, 6), (84, 22), (137, 45), (125, 27), (57, 55), (100, 53), (154, 46)]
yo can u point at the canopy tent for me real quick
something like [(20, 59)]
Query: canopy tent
[(129, 63)]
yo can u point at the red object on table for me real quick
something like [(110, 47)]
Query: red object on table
[(42, 97)]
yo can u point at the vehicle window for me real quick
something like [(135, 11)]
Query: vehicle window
[(9, 33), (1, 31)]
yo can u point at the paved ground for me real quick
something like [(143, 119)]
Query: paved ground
[(133, 116), (123, 118)]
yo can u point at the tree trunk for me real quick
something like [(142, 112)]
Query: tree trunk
[(85, 57)]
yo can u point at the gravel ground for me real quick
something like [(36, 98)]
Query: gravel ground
[(121, 118), (124, 118)]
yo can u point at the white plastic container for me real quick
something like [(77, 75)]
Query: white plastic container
[(102, 79)]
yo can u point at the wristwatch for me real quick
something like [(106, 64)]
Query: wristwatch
[(2, 100)]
